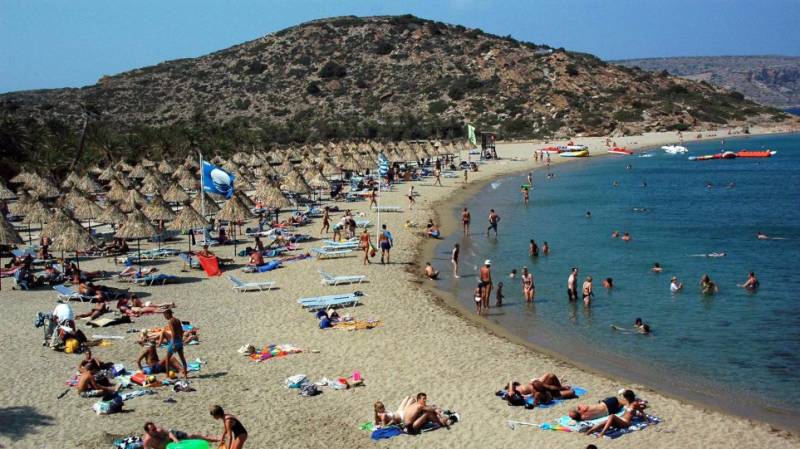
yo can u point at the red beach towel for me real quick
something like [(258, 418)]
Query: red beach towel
[(210, 265)]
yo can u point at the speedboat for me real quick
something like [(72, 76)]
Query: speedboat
[(621, 151), (675, 149)]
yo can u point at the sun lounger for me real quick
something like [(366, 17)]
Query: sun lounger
[(32, 252), (189, 261), (340, 246), (330, 279), (323, 302), (151, 279), (334, 254), (241, 286), (69, 294), (353, 241), (387, 209), (363, 223)]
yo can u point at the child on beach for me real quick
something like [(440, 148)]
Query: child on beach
[(499, 295), (478, 296)]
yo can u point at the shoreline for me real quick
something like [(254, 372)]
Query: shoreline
[(445, 214)]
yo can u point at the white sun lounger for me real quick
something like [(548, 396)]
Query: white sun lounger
[(363, 223), (352, 241), (324, 254), (241, 286), (323, 302), (387, 209), (330, 279), (69, 294)]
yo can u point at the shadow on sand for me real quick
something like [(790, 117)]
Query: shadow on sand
[(16, 422)]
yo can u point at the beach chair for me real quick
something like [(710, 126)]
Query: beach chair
[(338, 246), (208, 240), (363, 223), (189, 261), (151, 279), (330, 279), (333, 254), (241, 286), (386, 208), (351, 241), (324, 302), (68, 294)]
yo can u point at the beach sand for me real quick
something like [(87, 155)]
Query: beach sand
[(424, 345)]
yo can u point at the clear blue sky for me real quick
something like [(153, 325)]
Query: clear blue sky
[(60, 43)]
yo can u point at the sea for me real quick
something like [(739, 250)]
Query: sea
[(738, 351)]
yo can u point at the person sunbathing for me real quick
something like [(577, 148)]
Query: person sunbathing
[(549, 382), (608, 406), (51, 276), (430, 272), (92, 363), (134, 306), (131, 272), (100, 307), (419, 413), (152, 365), (157, 438), (633, 410), (256, 259), (154, 335), (384, 418)]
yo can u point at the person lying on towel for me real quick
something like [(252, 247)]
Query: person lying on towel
[(608, 406)]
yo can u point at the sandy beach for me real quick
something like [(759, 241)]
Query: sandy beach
[(425, 344)]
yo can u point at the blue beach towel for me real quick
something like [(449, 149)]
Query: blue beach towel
[(578, 392), (384, 433), (268, 266)]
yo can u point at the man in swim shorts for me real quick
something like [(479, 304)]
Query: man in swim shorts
[(174, 330), (465, 219), (486, 282), (416, 415), (493, 220), (608, 406), (157, 438), (572, 285)]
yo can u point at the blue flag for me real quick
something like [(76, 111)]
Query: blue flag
[(383, 165), (217, 180)]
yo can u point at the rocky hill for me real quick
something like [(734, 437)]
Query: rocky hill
[(388, 77), (768, 80)]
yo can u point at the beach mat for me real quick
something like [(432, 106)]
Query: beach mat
[(104, 321), (567, 424), (356, 325), (529, 401)]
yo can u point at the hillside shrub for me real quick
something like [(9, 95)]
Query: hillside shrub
[(332, 70)]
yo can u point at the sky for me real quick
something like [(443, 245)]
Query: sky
[(72, 43)]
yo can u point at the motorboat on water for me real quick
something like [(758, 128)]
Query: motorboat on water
[(675, 149)]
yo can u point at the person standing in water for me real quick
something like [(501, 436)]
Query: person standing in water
[(588, 291), (478, 297), (545, 248), (528, 289), (486, 280), (493, 220), (572, 285), (465, 219), (525, 194), (751, 283), (454, 259), (533, 249)]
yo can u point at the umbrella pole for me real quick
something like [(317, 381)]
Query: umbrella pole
[(234, 240), (30, 239), (77, 261), (1, 265)]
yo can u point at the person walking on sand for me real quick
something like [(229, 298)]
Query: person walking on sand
[(373, 198), (365, 244), (326, 221), (588, 291), (572, 285), (466, 177), (493, 220), (385, 241), (411, 200), (465, 219), (486, 281), (174, 330), (437, 174), (528, 289), (234, 434), (454, 259)]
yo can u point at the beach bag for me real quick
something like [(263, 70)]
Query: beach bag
[(309, 390), (71, 346), (296, 381)]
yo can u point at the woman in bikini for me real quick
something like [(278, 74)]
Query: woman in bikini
[(235, 434), (527, 285), (365, 244), (465, 218), (326, 222)]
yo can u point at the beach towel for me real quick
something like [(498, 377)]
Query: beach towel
[(274, 351), (502, 394), (132, 442), (567, 424), (104, 321), (268, 266), (210, 265), (384, 433), (357, 325)]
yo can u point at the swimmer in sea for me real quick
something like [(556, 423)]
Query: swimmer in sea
[(615, 234), (674, 285), (615, 184), (641, 327), (545, 248), (761, 236), (717, 254), (707, 286), (608, 283), (644, 184), (751, 283), (513, 273), (588, 214), (656, 268), (626, 237)]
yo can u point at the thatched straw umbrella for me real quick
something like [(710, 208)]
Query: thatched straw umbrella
[(72, 238), (294, 182), (175, 194), (165, 168), (45, 188), (22, 178), (136, 226), (88, 185), (147, 163), (188, 182), (86, 210), (35, 212), (8, 236), (180, 172), (108, 174), (111, 215), (285, 168), (230, 166), (188, 219), (158, 210), (234, 210), (271, 196), (70, 181), (211, 205), (116, 192), (124, 167), (139, 172), (240, 157)]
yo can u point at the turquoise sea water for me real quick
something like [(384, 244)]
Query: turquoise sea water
[(736, 349)]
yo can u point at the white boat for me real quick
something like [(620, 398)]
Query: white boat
[(675, 149)]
